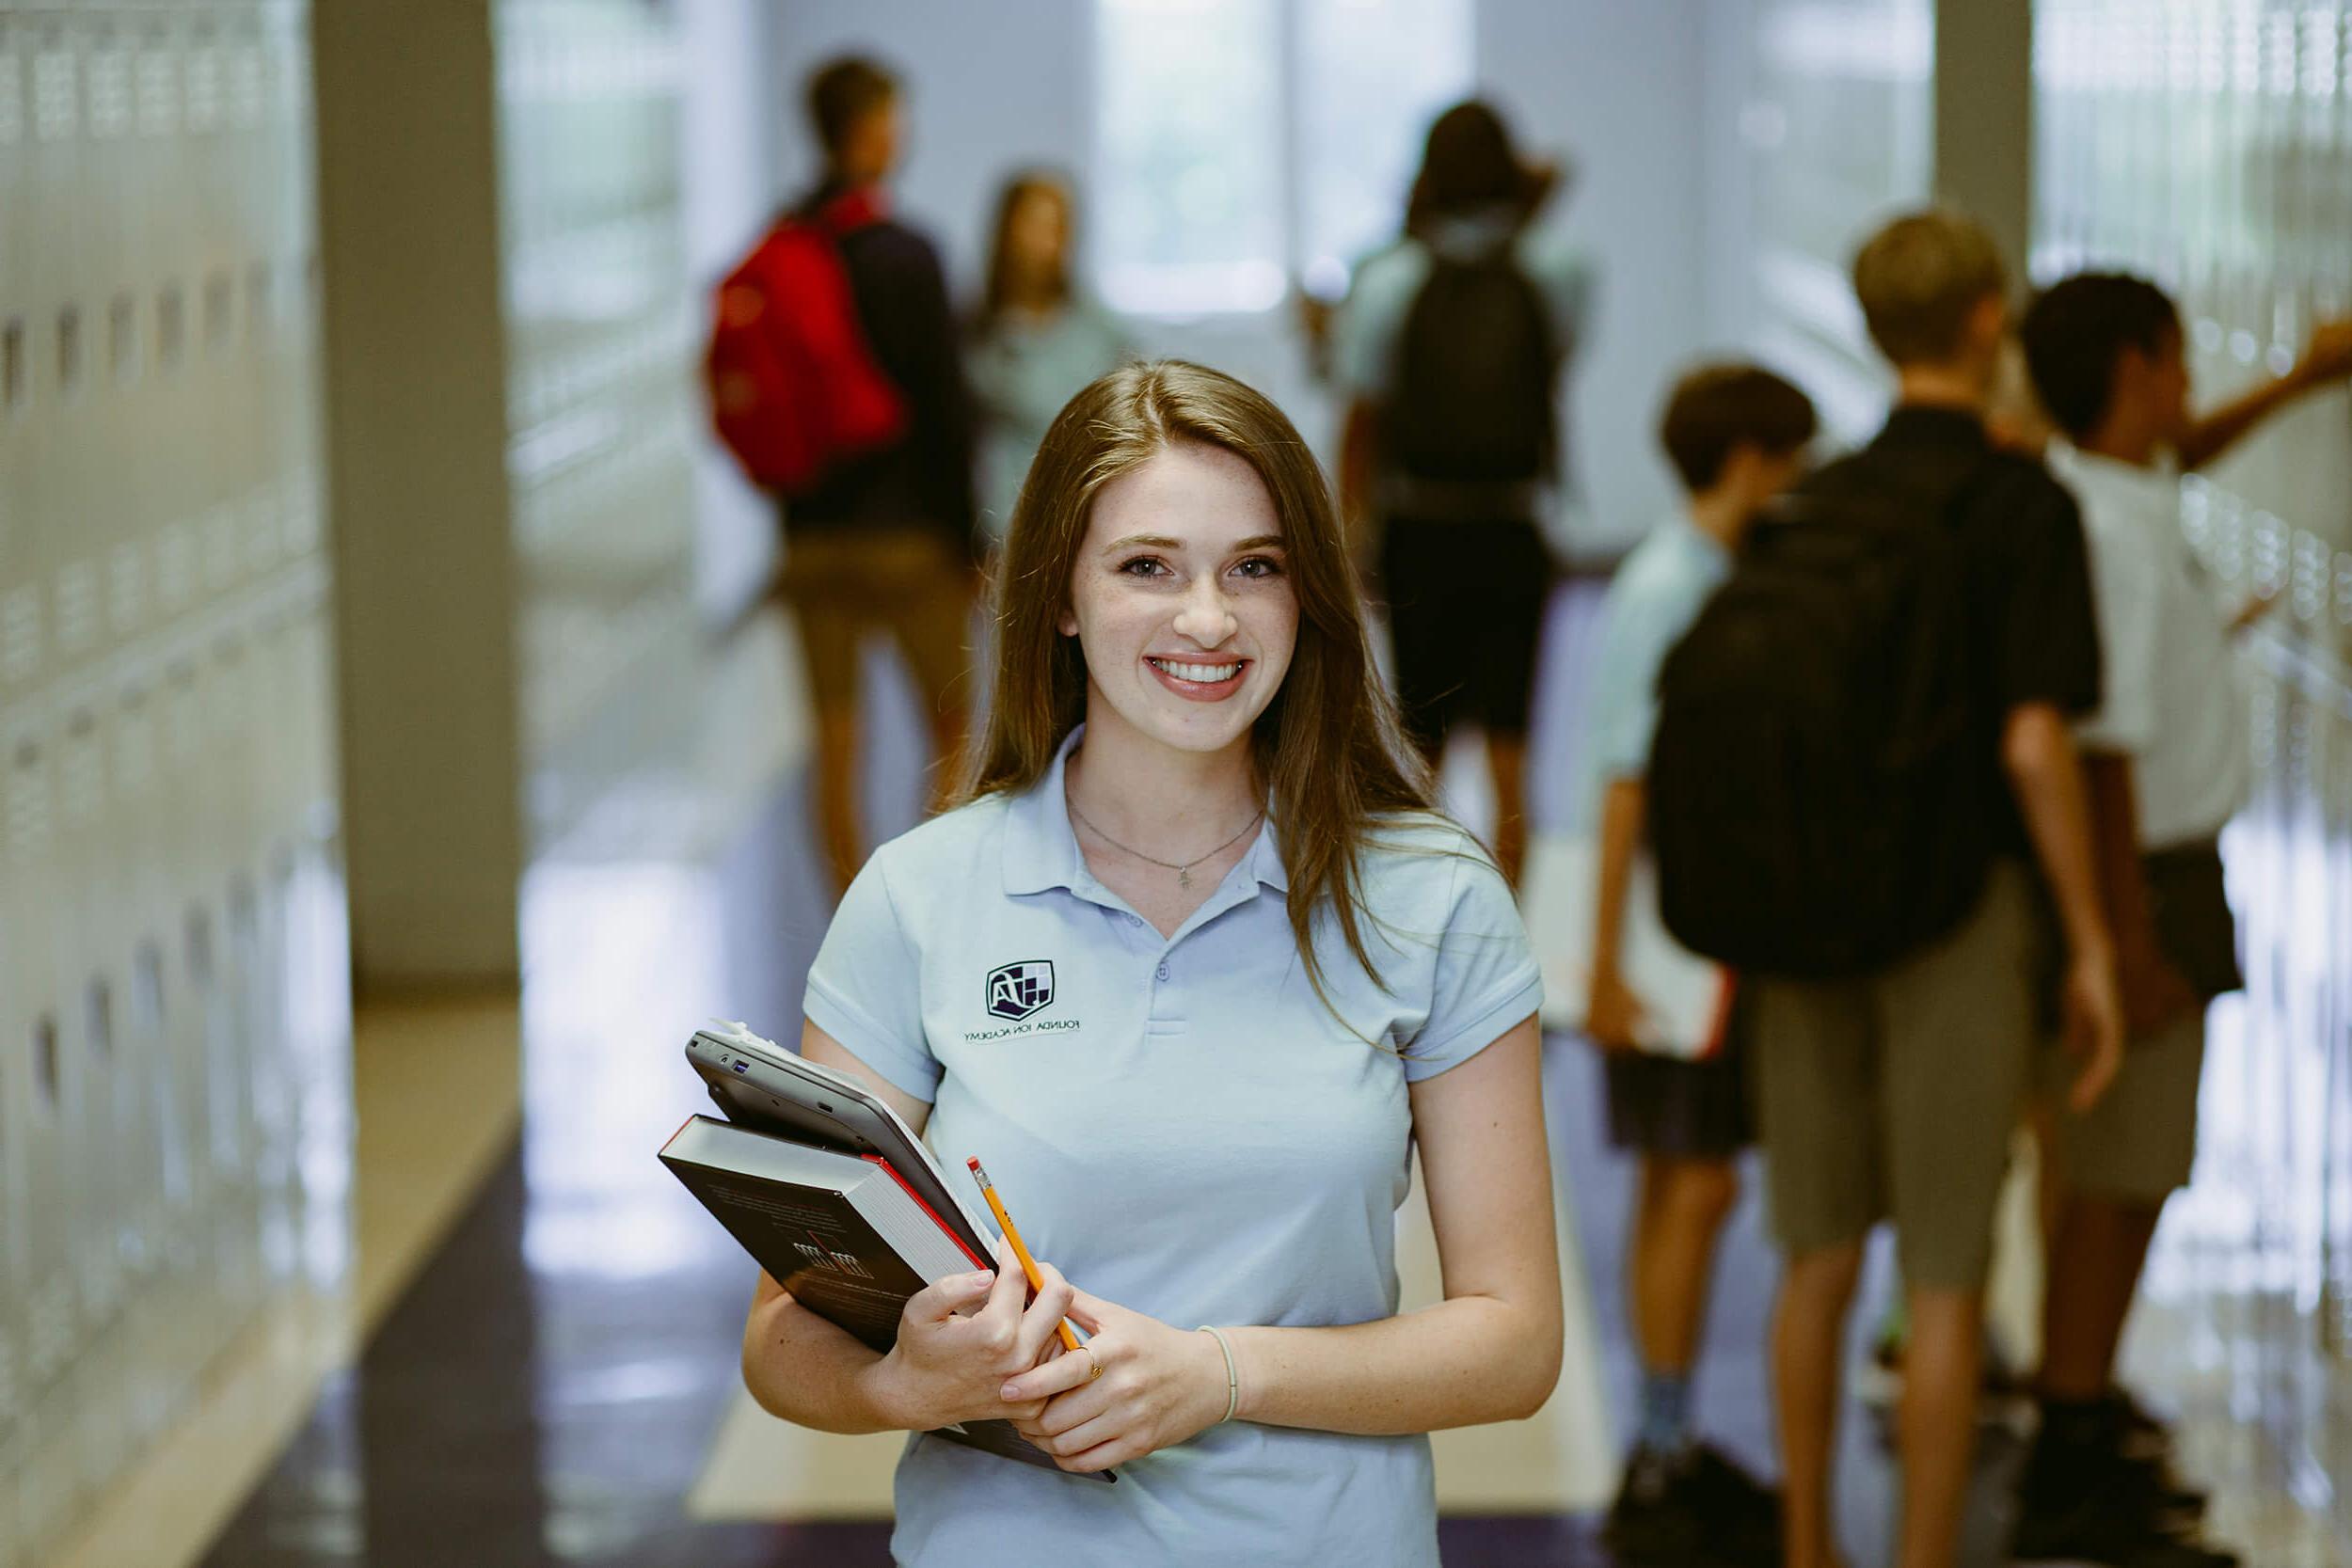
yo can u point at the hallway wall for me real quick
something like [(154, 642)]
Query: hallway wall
[(173, 1025)]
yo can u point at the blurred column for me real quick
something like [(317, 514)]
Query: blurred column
[(1984, 116), (417, 426)]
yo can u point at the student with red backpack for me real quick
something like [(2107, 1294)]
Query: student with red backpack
[(1863, 755), (1450, 349), (836, 381)]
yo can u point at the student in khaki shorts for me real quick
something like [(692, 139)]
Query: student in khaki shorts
[(2169, 757), (1893, 1095), (884, 543)]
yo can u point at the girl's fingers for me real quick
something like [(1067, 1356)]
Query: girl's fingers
[(1091, 1313), (1057, 1376), (1063, 1440), (1044, 1315), (1003, 1312), (943, 1299), (1103, 1456)]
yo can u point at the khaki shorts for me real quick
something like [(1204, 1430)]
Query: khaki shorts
[(844, 586), (2140, 1140), (1894, 1096)]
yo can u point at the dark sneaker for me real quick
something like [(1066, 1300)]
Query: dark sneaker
[(2081, 1500), (2114, 1446), (2141, 1434), (2095, 1531), (1699, 1509), (1746, 1512)]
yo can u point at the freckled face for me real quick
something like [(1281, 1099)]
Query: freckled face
[(1181, 600)]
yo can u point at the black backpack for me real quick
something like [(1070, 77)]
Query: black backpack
[(1472, 401), (1817, 787)]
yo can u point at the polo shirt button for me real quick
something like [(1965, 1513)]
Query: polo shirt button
[(1163, 972), (1134, 920)]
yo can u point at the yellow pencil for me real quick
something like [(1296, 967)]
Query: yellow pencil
[(1029, 1265)]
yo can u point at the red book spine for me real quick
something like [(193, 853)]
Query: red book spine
[(945, 1229)]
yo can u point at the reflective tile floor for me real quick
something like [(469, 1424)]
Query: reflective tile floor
[(547, 1388)]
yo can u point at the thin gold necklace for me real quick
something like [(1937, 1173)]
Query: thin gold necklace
[(1184, 871)]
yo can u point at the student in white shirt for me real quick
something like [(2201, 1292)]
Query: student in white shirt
[(1255, 972), (2167, 757)]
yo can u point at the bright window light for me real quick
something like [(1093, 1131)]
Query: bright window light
[(1373, 75), (1242, 146), (1190, 187)]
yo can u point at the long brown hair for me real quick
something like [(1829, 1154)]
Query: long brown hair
[(998, 294), (1328, 749)]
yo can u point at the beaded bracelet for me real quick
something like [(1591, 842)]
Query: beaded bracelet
[(1232, 1378)]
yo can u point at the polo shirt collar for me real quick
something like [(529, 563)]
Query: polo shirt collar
[(1042, 848)]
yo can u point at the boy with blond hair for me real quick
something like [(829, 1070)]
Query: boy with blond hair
[(1893, 1062)]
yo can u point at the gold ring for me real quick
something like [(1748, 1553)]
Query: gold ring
[(1094, 1368)]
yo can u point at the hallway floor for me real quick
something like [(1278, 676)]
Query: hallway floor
[(553, 1383)]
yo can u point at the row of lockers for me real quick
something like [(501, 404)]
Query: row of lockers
[(157, 321), (174, 1035), (173, 1042), (2208, 144), (602, 320)]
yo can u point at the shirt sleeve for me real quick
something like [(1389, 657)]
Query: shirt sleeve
[(1621, 697), (866, 989), (2043, 636), (2127, 592), (1486, 978), (1363, 334)]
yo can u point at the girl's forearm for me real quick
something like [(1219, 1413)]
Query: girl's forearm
[(804, 1370), (1466, 1361)]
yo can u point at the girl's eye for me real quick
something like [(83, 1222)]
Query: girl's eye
[(1144, 567), (1259, 567)]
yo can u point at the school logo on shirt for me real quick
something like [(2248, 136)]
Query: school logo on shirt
[(1016, 991)]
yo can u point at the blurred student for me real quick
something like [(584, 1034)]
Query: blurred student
[(1450, 349), (884, 542), (1737, 435), (1035, 338), (1864, 747), (2169, 766)]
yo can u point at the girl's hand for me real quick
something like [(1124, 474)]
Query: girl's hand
[(959, 1341), (1158, 1387)]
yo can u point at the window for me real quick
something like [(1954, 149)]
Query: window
[(1243, 144), (1377, 71), (1190, 118)]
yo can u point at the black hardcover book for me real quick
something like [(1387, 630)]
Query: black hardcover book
[(843, 1233)]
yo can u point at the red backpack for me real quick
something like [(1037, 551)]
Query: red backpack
[(794, 388)]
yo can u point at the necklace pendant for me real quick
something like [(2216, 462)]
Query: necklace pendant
[(1183, 875)]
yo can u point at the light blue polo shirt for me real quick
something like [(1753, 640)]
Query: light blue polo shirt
[(1656, 593), (1183, 1129)]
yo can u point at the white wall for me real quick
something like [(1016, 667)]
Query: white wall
[(729, 189), (990, 88)]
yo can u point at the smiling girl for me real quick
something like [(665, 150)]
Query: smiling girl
[(1193, 970)]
